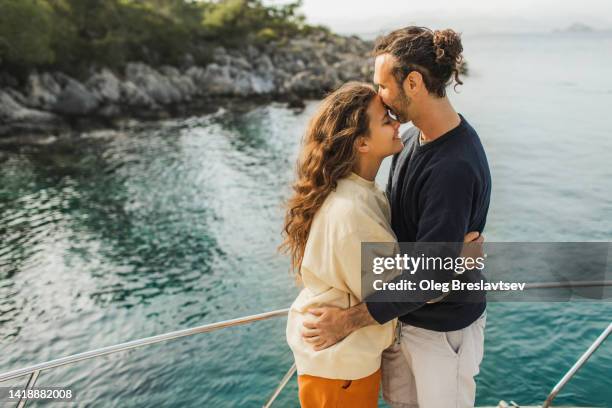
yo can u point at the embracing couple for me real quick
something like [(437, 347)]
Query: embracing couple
[(426, 352)]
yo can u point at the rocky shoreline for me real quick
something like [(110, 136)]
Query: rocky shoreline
[(52, 102)]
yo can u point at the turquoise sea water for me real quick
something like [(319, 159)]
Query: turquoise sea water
[(174, 224)]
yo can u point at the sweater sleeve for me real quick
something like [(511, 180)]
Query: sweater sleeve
[(446, 206), (348, 254)]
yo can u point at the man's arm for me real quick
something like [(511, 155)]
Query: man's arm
[(332, 324)]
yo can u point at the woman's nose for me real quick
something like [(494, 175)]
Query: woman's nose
[(396, 124)]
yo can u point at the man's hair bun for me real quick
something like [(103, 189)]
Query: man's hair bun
[(448, 48)]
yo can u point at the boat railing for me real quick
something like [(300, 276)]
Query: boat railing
[(35, 370)]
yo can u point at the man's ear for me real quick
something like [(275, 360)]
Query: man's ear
[(413, 82), (361, 143)]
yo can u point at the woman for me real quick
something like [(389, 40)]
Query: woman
[(336, 206)]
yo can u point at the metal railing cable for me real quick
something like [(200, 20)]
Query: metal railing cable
[(568, 284), (9, 375)]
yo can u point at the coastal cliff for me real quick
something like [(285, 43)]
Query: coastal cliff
[(287, 70)]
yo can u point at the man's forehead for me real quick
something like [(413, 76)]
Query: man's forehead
[(382, 63)]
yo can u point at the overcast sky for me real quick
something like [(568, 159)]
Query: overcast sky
[(475, 16)]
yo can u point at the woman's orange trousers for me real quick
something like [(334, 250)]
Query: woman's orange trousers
[(317, 392)]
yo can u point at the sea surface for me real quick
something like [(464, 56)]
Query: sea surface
[(172, 224)]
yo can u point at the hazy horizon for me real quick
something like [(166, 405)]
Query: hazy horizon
[(474, 17)]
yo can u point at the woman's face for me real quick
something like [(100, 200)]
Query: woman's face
[(384, 139)]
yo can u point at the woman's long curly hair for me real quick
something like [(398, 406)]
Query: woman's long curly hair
[(328, 155)]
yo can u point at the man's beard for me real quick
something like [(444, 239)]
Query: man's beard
[(400, 107)]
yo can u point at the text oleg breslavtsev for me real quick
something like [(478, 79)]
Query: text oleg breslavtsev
[(441, 274), (455, 285)]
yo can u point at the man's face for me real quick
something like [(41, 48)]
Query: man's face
[(390, 91)]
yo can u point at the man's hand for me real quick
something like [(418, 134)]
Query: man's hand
[(473, 249), (333, 324)]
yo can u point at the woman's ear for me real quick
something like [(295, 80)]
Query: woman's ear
[(362, 145)]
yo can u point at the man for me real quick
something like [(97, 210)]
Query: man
[(439, 188)]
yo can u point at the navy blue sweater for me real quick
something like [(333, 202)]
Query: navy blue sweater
[(438, 192)]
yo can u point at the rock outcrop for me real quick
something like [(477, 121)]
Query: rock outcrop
[(290, 70)]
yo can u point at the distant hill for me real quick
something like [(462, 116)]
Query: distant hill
[(576, 28)]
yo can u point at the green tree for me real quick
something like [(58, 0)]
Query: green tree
[(241, 21), (25, 34), (73, 35)]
